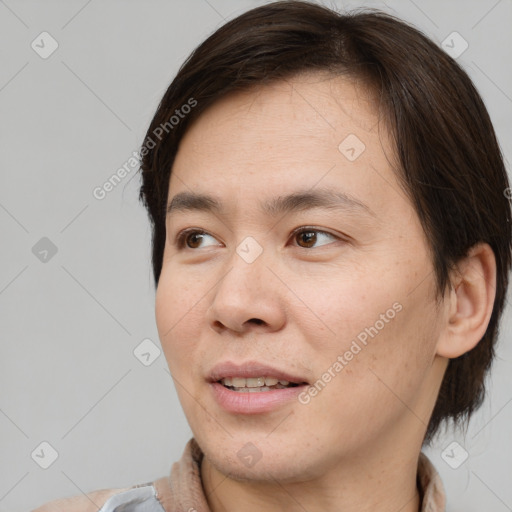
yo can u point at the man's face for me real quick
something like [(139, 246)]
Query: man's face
[(345, 305)]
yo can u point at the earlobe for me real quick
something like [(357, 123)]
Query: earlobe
[(471, 301)]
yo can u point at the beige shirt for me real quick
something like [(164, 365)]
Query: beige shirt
[(182, 491)]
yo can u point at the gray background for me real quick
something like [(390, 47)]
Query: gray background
[(70, 324)]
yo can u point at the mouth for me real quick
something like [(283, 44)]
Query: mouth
[(254, 376), (256, 384), (253, 387)]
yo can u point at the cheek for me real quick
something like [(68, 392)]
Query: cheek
[(180, 296), (178, 313), (376, 326), (344, 305), (367, 387)]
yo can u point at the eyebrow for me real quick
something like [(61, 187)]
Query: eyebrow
[(299, 200)]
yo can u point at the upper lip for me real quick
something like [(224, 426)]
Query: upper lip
[(251, 369)]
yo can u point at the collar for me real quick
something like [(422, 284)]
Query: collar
[(183, 489)]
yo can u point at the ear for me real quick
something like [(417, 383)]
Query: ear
[(470, 302)]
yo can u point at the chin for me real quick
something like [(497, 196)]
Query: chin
[(256, 459)]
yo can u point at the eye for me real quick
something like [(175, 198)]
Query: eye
[(192, 238), (191, 235), (308, 235)]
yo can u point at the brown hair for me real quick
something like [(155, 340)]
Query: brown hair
[(449, 160)]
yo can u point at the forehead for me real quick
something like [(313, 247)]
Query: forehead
[(310, 131), (316, 106)]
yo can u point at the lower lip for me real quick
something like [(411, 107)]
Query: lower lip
[(253, 403)]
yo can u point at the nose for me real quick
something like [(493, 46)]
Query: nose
[(248, 297)]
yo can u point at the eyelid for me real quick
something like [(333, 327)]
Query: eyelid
[(305, 229), (180, 238)]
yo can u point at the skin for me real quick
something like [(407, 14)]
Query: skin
[(355, 445)]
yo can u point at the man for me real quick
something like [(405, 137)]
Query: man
[(331, 248)]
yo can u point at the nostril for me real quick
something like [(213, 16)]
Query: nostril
[(256, 321)]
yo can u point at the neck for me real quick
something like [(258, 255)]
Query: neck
[(372, 482)]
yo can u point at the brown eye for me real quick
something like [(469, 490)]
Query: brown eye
[(191, 239), (308, 237)]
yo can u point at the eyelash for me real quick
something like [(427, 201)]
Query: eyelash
[(182, 235)]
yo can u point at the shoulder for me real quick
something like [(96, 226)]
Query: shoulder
[(89, 502)]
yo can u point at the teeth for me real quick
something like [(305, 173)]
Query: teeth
[(238, 382), (253, 382)]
